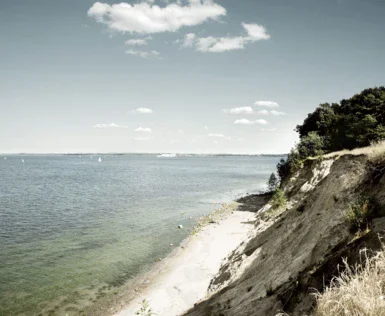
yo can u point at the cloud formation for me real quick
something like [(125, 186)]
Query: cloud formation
[(240, 110), (249, 122), (211, 44), (189, 40), (138, 41), (143, 129), (263, 112), (274, 112), (110, 125), (142, 54), (147, 18), (143, 111), (219, 136), (268, 104)]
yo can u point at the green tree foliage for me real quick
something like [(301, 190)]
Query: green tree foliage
[(352, 123), (273, 182), (310, 145)]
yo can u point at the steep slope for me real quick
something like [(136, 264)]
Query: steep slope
[(299, 249)]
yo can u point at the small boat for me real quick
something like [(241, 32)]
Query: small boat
[(22, 160), (5, 158), (100, 159)]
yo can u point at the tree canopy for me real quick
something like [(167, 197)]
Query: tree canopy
[(352, 123)]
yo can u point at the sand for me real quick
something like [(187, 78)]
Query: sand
[(185, 275)]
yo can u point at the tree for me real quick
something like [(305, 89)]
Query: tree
[(273, 182), (283, 169), (310, 145), (354, 122)]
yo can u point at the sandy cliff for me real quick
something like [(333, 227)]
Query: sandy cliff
[(295, 252)]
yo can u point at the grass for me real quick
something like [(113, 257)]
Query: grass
[(375, 152), (278, 204), (279, 200), (358, 291)]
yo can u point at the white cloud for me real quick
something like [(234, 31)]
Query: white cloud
[(240, 139), (189, 40), (262, 122), (142, 138), (138, 41), (268, 129), (248, 122), (142, 54), (143, 111), (213, 44), (206, 128), (219, 136), (240, 110), (244, 122), (256, 32), (110, 125), (146, 18), (143, 129), (269, 104), (274, 112), (219, 44), (263, 112)]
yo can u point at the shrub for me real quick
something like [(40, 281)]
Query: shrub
[(362, 212), (278, 200)]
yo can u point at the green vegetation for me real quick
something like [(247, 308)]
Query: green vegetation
[(352, 123), (273, 182), (362, 212), (145, 309), (279, 200)]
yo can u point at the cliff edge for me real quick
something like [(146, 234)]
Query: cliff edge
[(295, 251)]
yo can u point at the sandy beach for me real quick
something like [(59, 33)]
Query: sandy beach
[(183, 278)]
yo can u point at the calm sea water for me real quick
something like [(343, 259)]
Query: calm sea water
[(71, 225)]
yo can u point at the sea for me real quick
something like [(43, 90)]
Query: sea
[(74, 228)]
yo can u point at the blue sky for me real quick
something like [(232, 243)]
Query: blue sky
[(179, 76)]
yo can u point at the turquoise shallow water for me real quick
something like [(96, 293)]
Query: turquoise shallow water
[(71, 226)]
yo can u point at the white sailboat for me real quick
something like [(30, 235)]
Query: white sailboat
[(22, 160), (100, 159)]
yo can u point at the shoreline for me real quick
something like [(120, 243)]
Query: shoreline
[(177, 282)]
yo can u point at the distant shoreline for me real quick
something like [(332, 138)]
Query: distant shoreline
[(143, 154)]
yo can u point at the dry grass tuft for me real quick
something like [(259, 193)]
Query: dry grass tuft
[(375, 152), (358, 291)]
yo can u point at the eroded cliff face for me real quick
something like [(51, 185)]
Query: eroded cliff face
[(297, 251)]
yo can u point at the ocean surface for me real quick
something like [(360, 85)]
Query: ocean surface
[(73, 228)]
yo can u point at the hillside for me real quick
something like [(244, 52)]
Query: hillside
[(295, 250)]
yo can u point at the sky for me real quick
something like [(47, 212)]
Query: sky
[(191, 76)]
